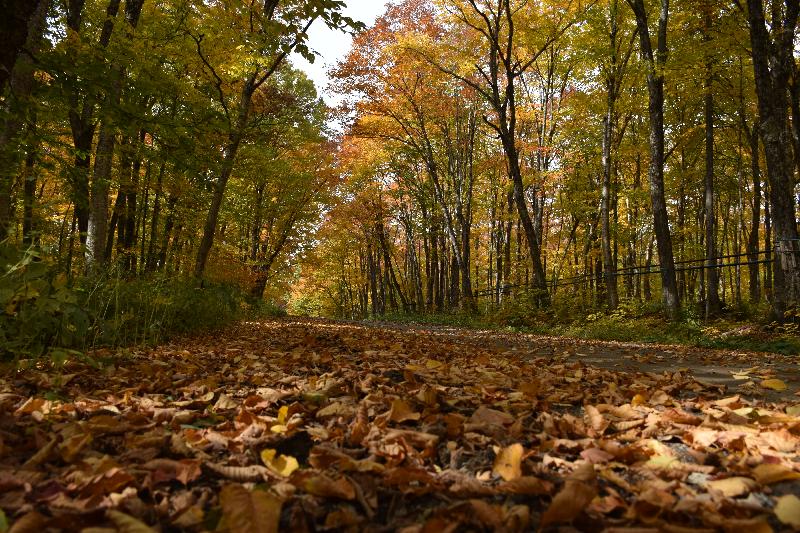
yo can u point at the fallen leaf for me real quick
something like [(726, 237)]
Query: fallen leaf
[(508, 463), (774, 384), (402, 412), (283, 465), (578, 491), (128, 524), (787, 509), (248, 511), (733, 486), (767, 474), (324, 486)]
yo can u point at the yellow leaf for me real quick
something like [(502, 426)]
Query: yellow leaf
[(733, 486), (250, 512), (661, 462), (788, 510), (774, 384), (283, 413), (508, 463), (638, 400), (767, 474), (279, 428), (432, 364), (282, 465)]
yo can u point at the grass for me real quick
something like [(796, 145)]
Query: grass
[(643, 324)]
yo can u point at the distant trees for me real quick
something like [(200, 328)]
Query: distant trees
[(570, 115), (559, 153)]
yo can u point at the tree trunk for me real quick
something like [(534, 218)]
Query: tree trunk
[(713, 304), (15, 29), (31, 18), (753, 241), (104, 155), (228, 162), (655, 86), (29, 198), (773, 65)]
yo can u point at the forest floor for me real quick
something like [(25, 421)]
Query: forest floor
[(299, 424)]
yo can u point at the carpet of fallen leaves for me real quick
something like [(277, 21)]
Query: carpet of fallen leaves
[(321, 426)]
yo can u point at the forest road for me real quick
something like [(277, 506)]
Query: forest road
[(729, 371)]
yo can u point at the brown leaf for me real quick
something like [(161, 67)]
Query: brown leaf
[(163, 470), (323, 486), (483, 416), (595, 420), (578, 491), (242, 474), (128, 524), (247, 511), (526, 485), (402, 412), (32, 522)]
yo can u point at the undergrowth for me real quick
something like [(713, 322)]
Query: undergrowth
[(736, 329), (43, 314)]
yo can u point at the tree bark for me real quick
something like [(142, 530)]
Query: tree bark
[(97, 235), (773, 65), (14, 32), (32, 18), (753, 240), (609, 267), (713, 304), (655, 85)]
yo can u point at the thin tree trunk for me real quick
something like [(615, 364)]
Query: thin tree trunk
[(755, 223), (713, 304), (655, 85)]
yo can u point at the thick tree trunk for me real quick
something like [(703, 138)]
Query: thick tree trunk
[(773, 65), (82, 120), (32, 18), (609, 268), (14, 32)]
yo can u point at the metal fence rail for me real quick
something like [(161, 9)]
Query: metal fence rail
[(684, 265)]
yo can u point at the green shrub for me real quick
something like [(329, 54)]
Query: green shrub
[(149, 310), (40, 313)]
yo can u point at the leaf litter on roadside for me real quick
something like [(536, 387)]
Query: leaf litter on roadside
[(313, 425)]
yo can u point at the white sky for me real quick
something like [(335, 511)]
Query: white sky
[(332, 45)]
